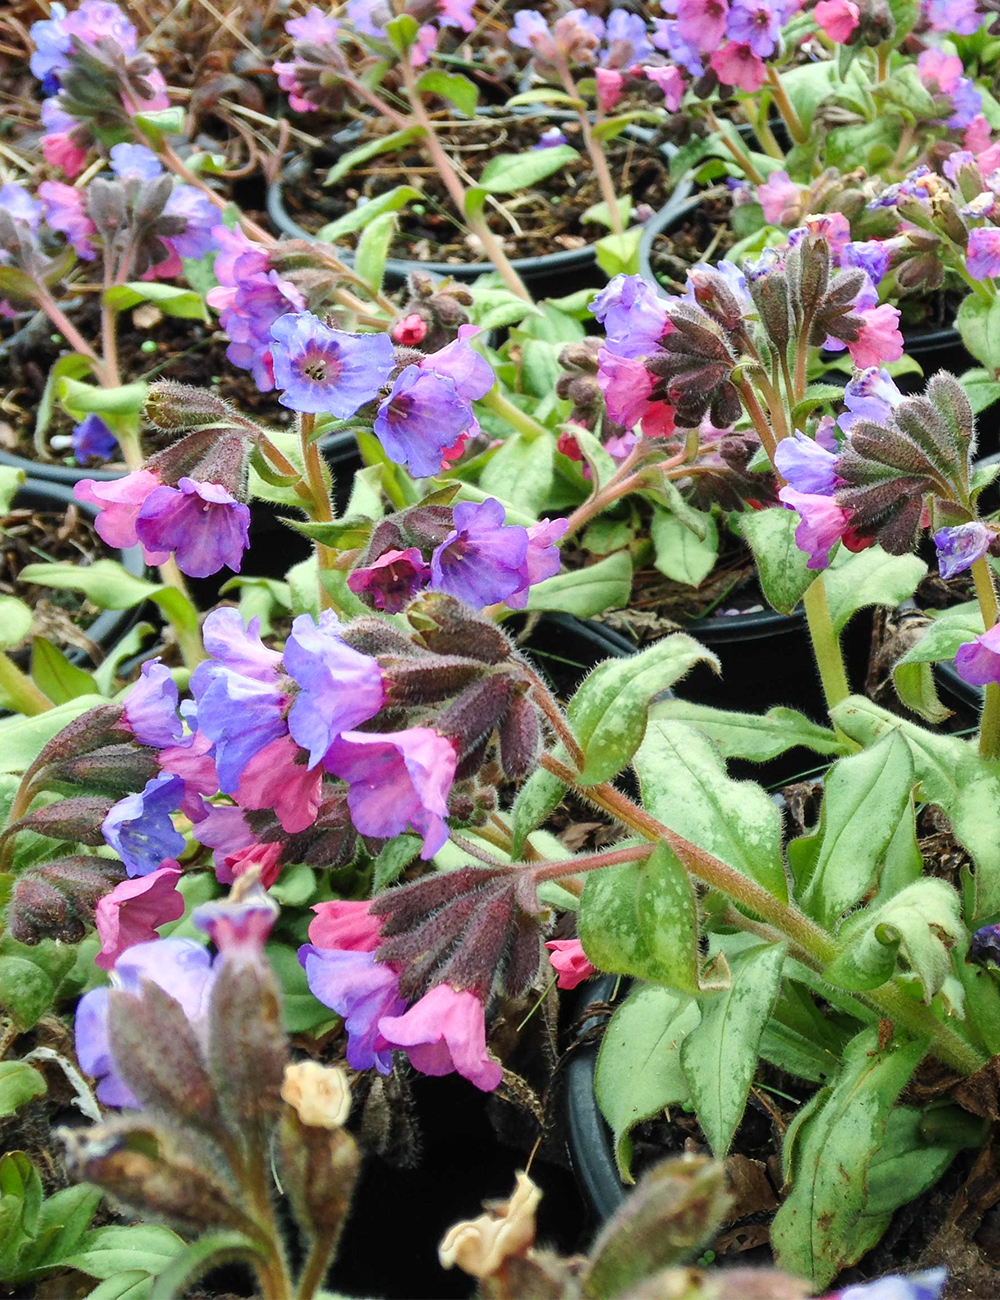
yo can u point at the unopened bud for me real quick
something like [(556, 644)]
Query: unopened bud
[(119, 769), (410, 682), (76, 819), (446, 626), (472, 716), (57, 900), (320, 1166), (520, 738), (90, 731), (178, 408)]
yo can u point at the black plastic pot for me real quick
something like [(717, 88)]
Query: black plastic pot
[(552, 274), (591, 1145), (111, 624)]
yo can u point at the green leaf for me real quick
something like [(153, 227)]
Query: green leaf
[(345, 534), (135, 1284), (26, 992), (171, 299), (916, 689), (11, 480), (869, 577), (684, 784), (521, 472), (919, 1146), (638, 1071), (402, 32), (680, 553), (494, 306), (921, 923), (393, 860), (944, 634), (981, 389), (53, 673), (975, 817), (373, 249), (601, 212), (537, 798), (156, 123), (456, 89), (192, 1261), (978, 322), (15, 619), (866, 795), (72, 364), (359, 217), (19, 1084), (62, 1220), (781, 566), (608, 713), (509, 173), (619, 254), (302, 1011), (372, 149), (21, 739), (545, 95), (641, 919), (106, 583), (614, 126), (295, 887), (754, 736), (825, 1223), (79, 400), (586, 592), (719, 1056), (107, 1251)]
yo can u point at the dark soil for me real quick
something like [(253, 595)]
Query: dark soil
[(545, 219)]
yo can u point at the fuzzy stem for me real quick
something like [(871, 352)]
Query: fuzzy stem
[(317, 1263), (882, 55), (495, 401), (625, 480), (760, 421), (109, 329), (322, 509), (19, 691), (785, 107), (989, 725), (605, 182), (589, 862), (738, 152), (758, 121), (826, 644), (72, 335)]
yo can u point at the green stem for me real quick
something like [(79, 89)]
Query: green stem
[(785, 107), (826, 644), (317, 1264), (605, 182), (762, 130), (322, 509), (19, 691), (989, 724), (496, 402), (738, 152)]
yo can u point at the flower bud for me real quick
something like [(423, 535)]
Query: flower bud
[(413, 682), (118, 769), (319, 1094), (90, 731), (320, 1166), (471, 717), (446, 626), (209, 455), (520, 738), (178, 408), (78, 820), (57, 900)]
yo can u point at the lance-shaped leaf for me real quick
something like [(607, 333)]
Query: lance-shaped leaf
[(869, 577), (975, 818), (755, 736)]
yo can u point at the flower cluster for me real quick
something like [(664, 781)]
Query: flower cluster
[(733, 40)]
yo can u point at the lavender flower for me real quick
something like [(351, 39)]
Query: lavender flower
[(139, 827), (150, 709), (93, 21), (200, 217), (550, 139), (756, 24), (960, 547), (389, 583), (625, 40), (458, 361), (633, 314), (481, 560), (916, 1286), (326, 370), (978, 661), (542, 559), (135, 160), (420, 419), (807, 466), (983, 256), (360, 990), (91, 439), (203, 524), (18, 204), (339, 687), (871, 395)]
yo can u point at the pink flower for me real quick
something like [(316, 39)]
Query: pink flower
[(263, 856), (703, 22), (60, 149), (569, 959), (609, 87), (978, 135), (982, 260), (410, 331), (273, 779), (134, 910), (671, 84), (780, 198), (737, 65), (445, 1031), (542, 559), (346, 925), (978, 662), (194, 762), (398, 782), (838, 18), (823, 523), (879, 339), (627, 387), (939, 71), (65, 211), (119, 501)]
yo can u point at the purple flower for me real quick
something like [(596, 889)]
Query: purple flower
[(468, 371), (445, 1031), (369, 17), (151, 707), (625, 39), (669, 36), (870, 256), (822, 525), (542, 559), (389, 583), (397, 782), (806, 466), (180, 967), (65, 211), (960, 547), (328, 370), (754, 23), (530, 31), (316, 28), (362, 991), (916, 1286), (550, 139), (420, 419), (18, 204), (201, 523), (978, 662), (633, 314), (201, 218), (966, 101), (339, 687), (241, 705), (982, 260), (139, 827), (961, 17), (93, 21), (91, 439), (985, 945), (481, 560), (871, 395), (135, 160)]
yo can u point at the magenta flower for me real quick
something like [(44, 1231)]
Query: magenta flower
[(823, 523), (397, 782), (806, 465), (204, 526), (978, 661), (420, 419), (119, 501), (363, 992), (670, 83), (702, 23), (978, 135), (610, 86), (570, 962), (737, 65), (481, 560), (471, 373), (139, 827), (135, 909), (838, 18), (326, 370), (983, 257), (224, 829), (960, 547), (150, 709), (277, 777), (445, 1031), (781, 199), (633, 314), (389, 583), (879, 338), (627, 387), (193, 760), (542, 559), (339, 687), (91, 439), (346, 924), (65, 211), (180, 967)]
